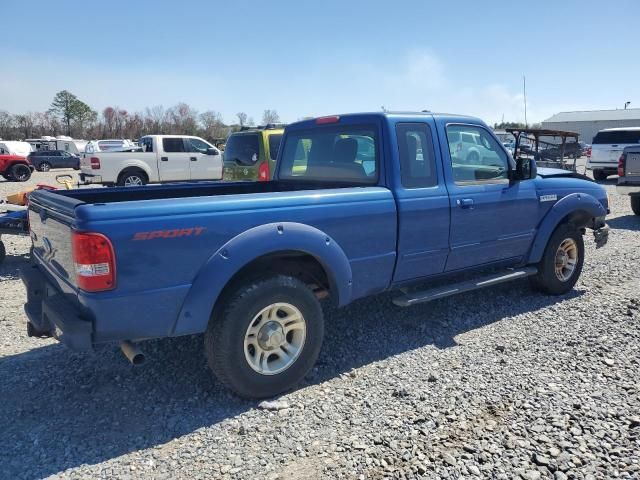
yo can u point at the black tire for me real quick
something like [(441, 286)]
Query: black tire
[(130, 178), (225, 336), (44, 167), (7, 177), (3, 252), (20, 172), (635, 204), (599, 175), (546, 279)]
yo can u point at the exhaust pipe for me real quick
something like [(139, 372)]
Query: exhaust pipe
[(132, 352)]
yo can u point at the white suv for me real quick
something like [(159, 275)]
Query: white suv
[(606, 148)]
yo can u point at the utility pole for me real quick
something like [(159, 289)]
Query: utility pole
[(524, 89)]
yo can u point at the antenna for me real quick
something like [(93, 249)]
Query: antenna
[(524, 89)]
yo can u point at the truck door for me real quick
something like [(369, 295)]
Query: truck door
[(492, 219), (422, 202), (174, 163), (203, 166)]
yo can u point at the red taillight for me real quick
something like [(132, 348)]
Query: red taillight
[(621, 162), (325, 120), (263, 172), (589, 152), (94, 262), (95, 163)]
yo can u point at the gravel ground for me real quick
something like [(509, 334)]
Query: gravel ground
[(500, 383)]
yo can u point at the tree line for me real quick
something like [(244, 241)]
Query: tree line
[(68, 115)]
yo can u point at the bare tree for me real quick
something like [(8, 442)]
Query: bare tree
[(242, 118), (270, 116), (214, 127)]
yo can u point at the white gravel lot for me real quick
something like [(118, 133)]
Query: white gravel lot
[(501, 383)]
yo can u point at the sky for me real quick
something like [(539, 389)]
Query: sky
[(305, 58)]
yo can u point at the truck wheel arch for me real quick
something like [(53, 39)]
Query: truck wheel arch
[(233, 261), (578, 209), (130, 165)]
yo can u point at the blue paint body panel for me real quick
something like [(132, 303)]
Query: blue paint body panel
[(367, 238)]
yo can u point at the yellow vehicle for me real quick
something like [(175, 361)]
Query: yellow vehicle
[(251, 153)]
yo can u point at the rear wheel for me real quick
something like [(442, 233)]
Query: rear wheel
[(562, 261), (266, 337), (20, 172), (3, 252), (132, 178), (635, 204), (44, 167), (599, 175)]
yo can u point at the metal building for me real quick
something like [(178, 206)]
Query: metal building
[(588, 123)]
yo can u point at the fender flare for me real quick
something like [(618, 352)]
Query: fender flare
[(247, 247), (133, 163), (584, 206)]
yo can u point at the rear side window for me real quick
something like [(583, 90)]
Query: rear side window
[(242, 149), (274, 145), (617, 137), (146, 143), (173, 145), (345, 153), (417, 157)]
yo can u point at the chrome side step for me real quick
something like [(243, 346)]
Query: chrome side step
[(414, 298)]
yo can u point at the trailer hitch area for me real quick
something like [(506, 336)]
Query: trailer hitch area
[(601, 235)]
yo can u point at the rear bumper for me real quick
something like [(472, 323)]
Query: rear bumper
[(49, 313), (607, 166), (88, 178)]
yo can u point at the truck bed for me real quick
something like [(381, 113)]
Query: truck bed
[(200, 189)]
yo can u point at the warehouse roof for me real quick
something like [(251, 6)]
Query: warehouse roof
[(595, 115)]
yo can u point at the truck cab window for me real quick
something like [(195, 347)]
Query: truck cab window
[(197, 145), (476, 157), (173, 145), (343, 153), (417, 157)]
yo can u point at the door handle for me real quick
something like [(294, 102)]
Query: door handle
[(465, 203), (193, 159), (164, 159)]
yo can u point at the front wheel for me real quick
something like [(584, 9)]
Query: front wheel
[(44, 167), (635, 204), (562, 261), (266, 337), (20, 172)]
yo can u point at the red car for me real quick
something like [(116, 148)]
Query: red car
[(15, 168)]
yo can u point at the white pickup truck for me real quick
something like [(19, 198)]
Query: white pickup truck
[(161, 158)]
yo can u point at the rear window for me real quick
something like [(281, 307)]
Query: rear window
[(242, 149), (617, 137), (274, 145), (344, 153)]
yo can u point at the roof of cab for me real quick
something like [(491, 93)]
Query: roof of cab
[(396, 115)]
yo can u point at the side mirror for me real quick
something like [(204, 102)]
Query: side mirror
[(526, 169), (212, 151)]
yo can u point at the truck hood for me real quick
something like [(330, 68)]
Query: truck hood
[(545, 172)]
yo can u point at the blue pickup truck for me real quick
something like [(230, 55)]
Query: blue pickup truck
[(359, 204)]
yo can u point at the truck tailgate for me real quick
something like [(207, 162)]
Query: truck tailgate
[(51, 218)]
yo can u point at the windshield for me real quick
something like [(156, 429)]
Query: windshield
[(343, 153)]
